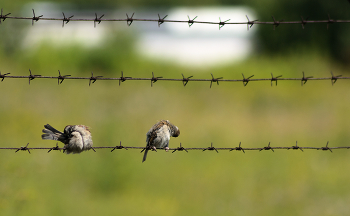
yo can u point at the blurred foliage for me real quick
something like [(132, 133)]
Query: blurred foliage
[(289, 37), (195, 183), (200, 183), (315, 36)]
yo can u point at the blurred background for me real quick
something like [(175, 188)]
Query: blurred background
[(288, 182)]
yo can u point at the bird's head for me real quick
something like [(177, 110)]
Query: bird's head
[(176, 132)]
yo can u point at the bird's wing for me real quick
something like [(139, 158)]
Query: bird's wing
[(153, 132), (151, 137)]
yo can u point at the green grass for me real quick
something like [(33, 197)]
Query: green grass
[(195, 183)]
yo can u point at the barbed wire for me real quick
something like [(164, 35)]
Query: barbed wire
[(184, 80), (190, 22), (181, 148)]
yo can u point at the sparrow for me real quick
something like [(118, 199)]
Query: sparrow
[(159, 135), (77, 138)]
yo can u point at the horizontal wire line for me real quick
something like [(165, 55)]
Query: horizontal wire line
[(173, 79), (185, 80), (212, 148), (190, 22), (183, 21)]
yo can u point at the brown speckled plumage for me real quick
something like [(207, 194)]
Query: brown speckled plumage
[(77, 138), (159, 135)]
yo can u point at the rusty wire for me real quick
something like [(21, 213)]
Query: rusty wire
[(181, 148), (162, 19), (185, 80)]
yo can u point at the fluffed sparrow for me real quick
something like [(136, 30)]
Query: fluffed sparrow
[(77, 138), (159, 135)]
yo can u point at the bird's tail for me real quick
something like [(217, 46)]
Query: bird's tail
[(145, 156), (51, 133)]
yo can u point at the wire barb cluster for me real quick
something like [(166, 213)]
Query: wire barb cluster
[(181, 148), (190, 22), (3, 17), (185, 80), (65, 19)]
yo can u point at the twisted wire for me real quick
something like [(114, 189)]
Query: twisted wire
[(184, 80), (130, 19)]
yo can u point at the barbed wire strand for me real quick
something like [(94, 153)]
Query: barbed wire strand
[(190, 22), (184, 80), (181, 148)]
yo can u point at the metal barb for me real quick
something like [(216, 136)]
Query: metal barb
[(211, 148), (267, 148), (161, 21), (65, 19), (221, 24), (214, 80), (185, 80), (119, 147), (245, 81), (334, 78), (25, 148), (35, 18), (98, 20), (191, 21), (276, 23), (60, 77), (251, 23), (2, 76), (31, 76), (123, 79), (274, 79), (297, 147), (330, 21), (54, 148), (3, 17), (326, 148), (154, 79), (303, 22), (129, 19), (180, 149), (93, 78), (304, 79), (239, 148)]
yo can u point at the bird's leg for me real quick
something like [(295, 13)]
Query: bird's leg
[(167, 146), (154, 148)]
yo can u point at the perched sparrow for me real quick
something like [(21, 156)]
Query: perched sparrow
[(77, 138), (159, 135)]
